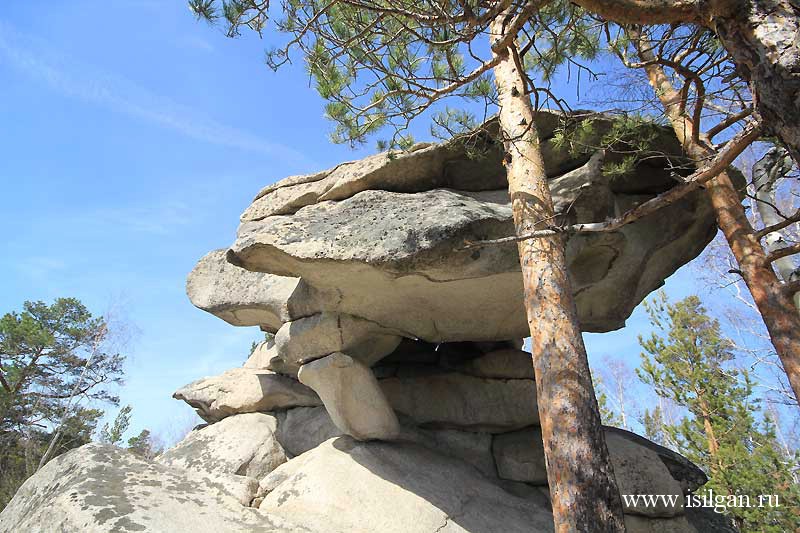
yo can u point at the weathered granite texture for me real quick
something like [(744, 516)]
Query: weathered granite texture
[(394, 395), (382, 236)]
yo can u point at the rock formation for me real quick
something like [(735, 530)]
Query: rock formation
[(393, 394)]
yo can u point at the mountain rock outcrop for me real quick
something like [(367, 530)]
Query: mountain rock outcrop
[(393, 394)]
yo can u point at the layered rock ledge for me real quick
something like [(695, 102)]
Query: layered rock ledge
[(393, 394), (383, 239)]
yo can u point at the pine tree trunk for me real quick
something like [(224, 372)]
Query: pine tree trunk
[(770, 296), (583, 490), (763, 36), (711, 438), (773, 301)]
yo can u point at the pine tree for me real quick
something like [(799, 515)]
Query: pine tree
[(383, 63), (143, 445), (755, 33), (691, 363), (689, 74), (50, 355), (113, 434)]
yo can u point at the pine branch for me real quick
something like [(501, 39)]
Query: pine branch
[(783, 252), (718, 164), (729, 121)]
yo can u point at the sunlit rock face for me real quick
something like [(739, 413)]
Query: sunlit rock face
[(393, 394), (383, 239)]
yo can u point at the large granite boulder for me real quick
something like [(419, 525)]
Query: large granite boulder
[(99, 488), (245, 445), (244, 390), (389, 252), (383, 239), (346, 486)]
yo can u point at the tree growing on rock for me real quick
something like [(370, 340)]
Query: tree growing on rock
[(144, 444), (114, 432), (51, 356), (381, 64)]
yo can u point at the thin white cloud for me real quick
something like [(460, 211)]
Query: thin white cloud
[(39, 267), (194, 42), (85, 82), (162, 219)]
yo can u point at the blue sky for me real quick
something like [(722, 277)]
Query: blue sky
[(132, 139)]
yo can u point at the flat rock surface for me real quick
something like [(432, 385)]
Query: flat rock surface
[(346, 486), (99, 488)]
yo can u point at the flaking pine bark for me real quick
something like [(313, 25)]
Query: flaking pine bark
[(583, 489)]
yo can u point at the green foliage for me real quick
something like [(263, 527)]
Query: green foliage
[(382, 63), (562, 36), (113, 434), (143, 445), (627, 140), (654, 425), (619, 168), (43, 351), (607, 414), (50, 355), (690, 362)]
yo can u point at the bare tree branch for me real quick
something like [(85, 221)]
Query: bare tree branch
[(717, 165), (783, 252)]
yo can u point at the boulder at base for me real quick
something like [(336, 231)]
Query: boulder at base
[(244, 444), (99, 488), (339, 486), (346, 486)]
